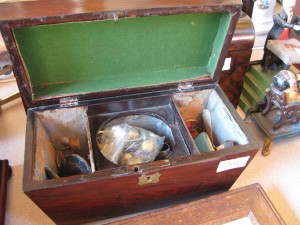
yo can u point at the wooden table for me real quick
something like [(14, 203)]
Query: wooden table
[(5, 172), (246, 205)]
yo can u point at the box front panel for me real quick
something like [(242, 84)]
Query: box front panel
[(102, 199)]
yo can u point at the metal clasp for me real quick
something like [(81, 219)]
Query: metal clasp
[(149, 179)]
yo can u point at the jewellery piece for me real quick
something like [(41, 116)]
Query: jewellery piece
[(165, 152), (194, 127)]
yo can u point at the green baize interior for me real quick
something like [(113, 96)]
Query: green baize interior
[(82, 57)]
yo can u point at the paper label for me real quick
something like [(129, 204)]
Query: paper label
[(242, 221), (227, 63), (232, 164)]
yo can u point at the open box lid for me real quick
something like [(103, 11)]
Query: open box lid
[(94, 49)]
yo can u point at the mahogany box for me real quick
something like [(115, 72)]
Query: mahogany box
[(238, 57), (81, 65)]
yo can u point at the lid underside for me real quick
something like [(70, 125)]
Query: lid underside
[(82, 57)]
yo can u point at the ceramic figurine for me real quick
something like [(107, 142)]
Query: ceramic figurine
[(284, 21), (283, 93), (263, 4), (263, 19)]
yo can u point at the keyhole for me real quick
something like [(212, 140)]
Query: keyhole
[(149, 179)]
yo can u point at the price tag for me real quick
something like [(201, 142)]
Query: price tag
[(243, 221), (232, 164), (227, 64)]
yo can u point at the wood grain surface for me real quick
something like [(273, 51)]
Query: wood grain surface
[(249, 202)]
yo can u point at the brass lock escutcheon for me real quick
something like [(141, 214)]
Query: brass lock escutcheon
[(149, 179)]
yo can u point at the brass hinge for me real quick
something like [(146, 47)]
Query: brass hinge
[(185, 87), (67, 102)]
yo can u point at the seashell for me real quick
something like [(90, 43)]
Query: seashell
[(148, 145), (133, 134), (127, 156)]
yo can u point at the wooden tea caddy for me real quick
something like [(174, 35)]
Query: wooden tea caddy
[(81, 63)]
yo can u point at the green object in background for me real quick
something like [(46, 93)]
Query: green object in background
[(93, 56), (254, 89)]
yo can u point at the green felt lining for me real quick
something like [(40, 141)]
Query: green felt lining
[(82, 57)]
